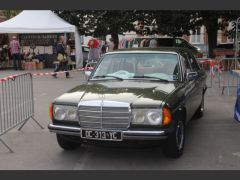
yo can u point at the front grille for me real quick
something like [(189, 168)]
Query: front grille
[(98, 117)]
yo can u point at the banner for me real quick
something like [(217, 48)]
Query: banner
[(38, 39)]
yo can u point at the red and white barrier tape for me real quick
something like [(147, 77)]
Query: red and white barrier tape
[(45, 74), (7, 78), (61, 72)]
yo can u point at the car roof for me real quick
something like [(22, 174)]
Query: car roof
[(178, 50)]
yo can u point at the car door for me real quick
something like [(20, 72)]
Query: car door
[(201, 73), (188, 88), (197, 83)]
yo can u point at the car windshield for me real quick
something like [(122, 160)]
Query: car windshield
[(149, 66)]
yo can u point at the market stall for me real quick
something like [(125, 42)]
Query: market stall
[(41, 27)]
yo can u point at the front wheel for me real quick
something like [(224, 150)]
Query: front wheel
[(175, 143), (66, 144)]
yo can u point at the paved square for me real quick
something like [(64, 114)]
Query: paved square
[(212, 141)]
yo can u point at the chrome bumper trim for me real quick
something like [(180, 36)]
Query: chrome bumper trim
[(141, 135)]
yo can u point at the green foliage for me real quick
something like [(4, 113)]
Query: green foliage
[(11, 13), (99, 23), (174, 23)]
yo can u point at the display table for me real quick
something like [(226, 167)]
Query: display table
[(32, 65), (29, 65)]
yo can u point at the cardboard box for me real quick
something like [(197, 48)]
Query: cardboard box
[(40, 65), (30, 66)]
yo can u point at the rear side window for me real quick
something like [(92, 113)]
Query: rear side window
[(186, 64), (193, 62), (166, 42)]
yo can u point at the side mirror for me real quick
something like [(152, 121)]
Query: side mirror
[(191, 76)]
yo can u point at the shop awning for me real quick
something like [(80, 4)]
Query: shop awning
[(42, 21)]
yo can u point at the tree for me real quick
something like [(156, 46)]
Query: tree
[(173, 23), (177, 23), (100, 23), (114, 23), (11, 13), (210, 19), (84, 20)]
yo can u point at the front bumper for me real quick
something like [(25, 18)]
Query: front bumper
[(127, 135)]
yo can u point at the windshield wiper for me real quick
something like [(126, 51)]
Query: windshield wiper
[(104, 76), (150, 77)]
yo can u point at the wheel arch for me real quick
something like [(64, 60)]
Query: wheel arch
[(182, 110)]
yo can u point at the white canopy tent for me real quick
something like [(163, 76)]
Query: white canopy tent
[(42, 21)]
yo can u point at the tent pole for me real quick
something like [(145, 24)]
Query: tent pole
[(65, 37)]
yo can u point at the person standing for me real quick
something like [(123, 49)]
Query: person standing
[(61, 57), (68, 55), (15, 52), (104, 48), (94, 53), (111, 45)]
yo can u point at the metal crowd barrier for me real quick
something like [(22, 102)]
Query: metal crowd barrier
[(205, 64), (91, 63), (16, 103), (227, 78)]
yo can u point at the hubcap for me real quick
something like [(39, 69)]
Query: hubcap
[(180, 135)]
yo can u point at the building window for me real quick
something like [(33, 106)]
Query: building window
[(197, 36)]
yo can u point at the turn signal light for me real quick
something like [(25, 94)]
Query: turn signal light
[(167, 116), (51, 111)]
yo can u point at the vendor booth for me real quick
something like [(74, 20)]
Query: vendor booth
[(38, 30)]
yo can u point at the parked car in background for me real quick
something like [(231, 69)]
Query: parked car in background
[(225, 46), (133, 95), (225, 50), (169, 42)]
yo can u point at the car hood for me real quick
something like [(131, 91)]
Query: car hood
[(137, 93)]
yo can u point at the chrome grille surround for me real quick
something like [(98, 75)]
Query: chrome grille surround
[(99, 114)]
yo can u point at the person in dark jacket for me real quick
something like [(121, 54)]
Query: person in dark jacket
[(61, 57)]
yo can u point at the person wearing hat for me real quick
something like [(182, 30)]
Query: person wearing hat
[(15, 52)]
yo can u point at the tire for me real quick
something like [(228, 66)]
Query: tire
[(200, 110), (66, 144), (174, 145)]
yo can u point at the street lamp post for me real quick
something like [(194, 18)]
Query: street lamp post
[(236, 42)]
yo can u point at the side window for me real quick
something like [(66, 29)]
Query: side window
[(193, 62), (186, 63)]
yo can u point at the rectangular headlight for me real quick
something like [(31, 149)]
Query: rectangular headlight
[(65, 113), (147, 116)]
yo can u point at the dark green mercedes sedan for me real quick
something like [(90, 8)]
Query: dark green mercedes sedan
[(133, 95)]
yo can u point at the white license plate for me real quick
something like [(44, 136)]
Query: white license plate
[(101, 135)]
